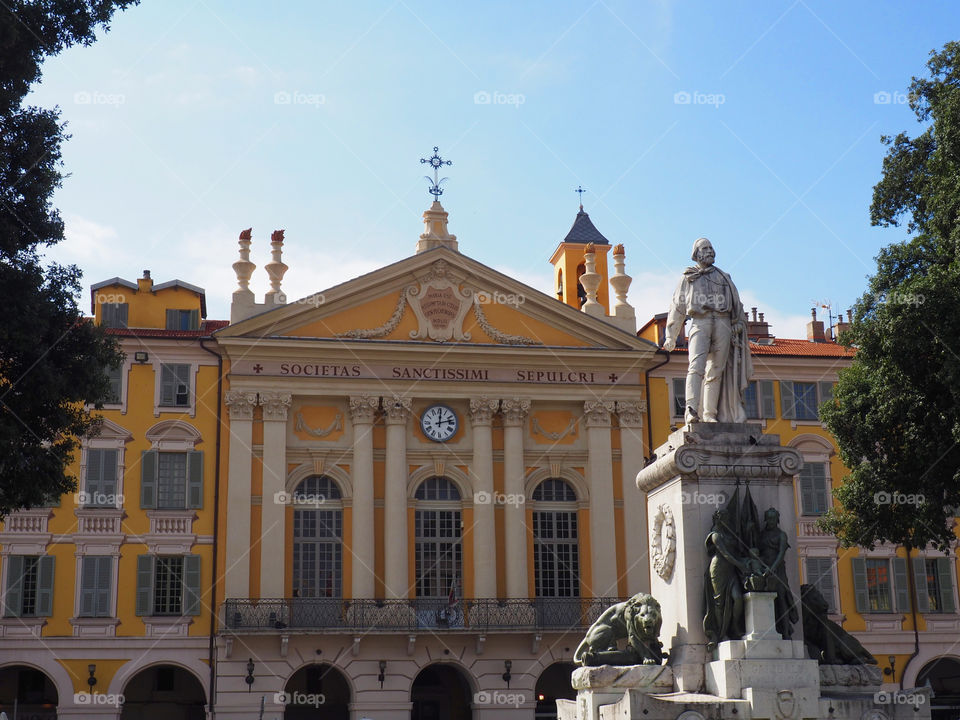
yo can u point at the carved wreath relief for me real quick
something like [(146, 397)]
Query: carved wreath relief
[(663, 542)]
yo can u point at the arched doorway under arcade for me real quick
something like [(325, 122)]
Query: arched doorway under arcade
[(30, 691), (164, 692), (317, 692), (552, 685), (441, 692)]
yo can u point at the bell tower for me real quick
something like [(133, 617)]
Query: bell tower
[(568, 263)]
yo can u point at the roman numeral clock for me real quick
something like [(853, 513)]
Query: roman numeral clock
[(439, 423)]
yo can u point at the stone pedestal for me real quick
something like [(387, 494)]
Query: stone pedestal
[(696, 472), (607, 684)]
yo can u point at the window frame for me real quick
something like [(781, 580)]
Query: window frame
[(447, 548), (329, 545), (551, 510)]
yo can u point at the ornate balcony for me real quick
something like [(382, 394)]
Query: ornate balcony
[(481, 615)]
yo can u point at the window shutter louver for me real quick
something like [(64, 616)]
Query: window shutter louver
[(679, 399), (173, 319), (194, 319), (149, 467), (168, 385), (104, 585), (947, 601), (88, 586), (108, 475), (826, 391), (920, 582), (195, 479), (92, 487), (768, 408), (122, 314), (191, 585), (145, 565), (788, 404), (901, 585), (13, 598), (820, 574), (860, 585), (45, 586)]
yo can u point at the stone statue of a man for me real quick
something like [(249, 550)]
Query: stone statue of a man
[(719, 368)]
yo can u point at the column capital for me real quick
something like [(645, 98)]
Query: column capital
[(363, 408), (630, 412), (482, 410), (275, 405), (514, 410), (397, 410), (240, 404), (596, 413)]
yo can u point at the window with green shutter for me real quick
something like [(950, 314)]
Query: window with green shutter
[(115, 376), (175, 385), (814, 495), (29, 591), (100, 480), (96, 586), (933, 578), (168, 585), (114, 315), (183, 319), (872, 585), (768, 408), (819, 573), (679, 396)]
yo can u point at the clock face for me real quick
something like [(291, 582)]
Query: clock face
[(439, 423)]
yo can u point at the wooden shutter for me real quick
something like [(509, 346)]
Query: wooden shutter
[(45, 586), (104, 585), (145, 564), (182, 374), (194, 319), (820, 575), (901, 587), (920, 581), (92, 486), (788, 403), (860, 585), (945, 575), (88, 586), (168, 385), (826, 391), (195, 479), (679, 396), (149, 469), (767, 407), (122, 314), (108, 474), (191, 584), (13, 598), (173, 319)]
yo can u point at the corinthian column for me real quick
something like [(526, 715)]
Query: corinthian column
[(484, 535), (273, 508), (396, 580), (514, 411), (603, 549), (240, 404), (363, 410), (630, 414)]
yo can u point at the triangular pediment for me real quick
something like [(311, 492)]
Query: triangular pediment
[(439, 296)]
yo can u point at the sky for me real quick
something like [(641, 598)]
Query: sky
[(754, 123)]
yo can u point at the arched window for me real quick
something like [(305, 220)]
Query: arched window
[(437, 534), (556, 551), (317, 538)]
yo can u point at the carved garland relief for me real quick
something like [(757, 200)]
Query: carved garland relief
[(663, 542)]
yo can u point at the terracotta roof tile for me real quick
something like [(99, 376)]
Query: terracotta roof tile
[(786, 347)]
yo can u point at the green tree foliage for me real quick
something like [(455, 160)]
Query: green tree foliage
[(52, 361), (896, 411)]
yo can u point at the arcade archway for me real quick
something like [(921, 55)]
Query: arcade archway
[(317, 692), (164, 692), (943, 674), (552, 685), (30, 690), (441, 692)]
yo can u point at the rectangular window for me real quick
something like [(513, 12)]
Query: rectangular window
[(819, 572), (114, 315), (934, 582), (814, 495), (801, 400), (805, 399), (168, 586), (175, 385), (100, 481), (29, 590), (679, 396), (115, 376), (879, 591), (752, 401), (96, 586), (171, 481), (556, 562), (437, 552), (183, 319)]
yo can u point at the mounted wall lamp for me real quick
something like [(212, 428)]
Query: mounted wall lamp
[(249, 678), (140, 356), (892, 659), (383, 673), (92, 680), (507, 664)]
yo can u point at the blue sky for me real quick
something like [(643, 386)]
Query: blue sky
[(756, 124)]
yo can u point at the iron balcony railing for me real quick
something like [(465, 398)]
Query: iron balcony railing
[(433, 614)]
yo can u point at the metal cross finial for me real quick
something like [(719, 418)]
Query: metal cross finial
[(436, 162), (580, 191)]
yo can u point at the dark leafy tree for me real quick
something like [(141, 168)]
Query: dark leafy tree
[(52, 361), (896, 411)]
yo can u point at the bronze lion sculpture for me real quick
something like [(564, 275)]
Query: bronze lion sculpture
[(636, 620), (826, 641)]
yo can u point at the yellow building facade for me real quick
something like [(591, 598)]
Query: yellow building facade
[(405, 496)]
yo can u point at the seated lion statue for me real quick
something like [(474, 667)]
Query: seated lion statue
[(637, 620), (824, 639)]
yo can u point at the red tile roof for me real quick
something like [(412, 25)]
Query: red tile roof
[(206, 328), (798, 348)]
